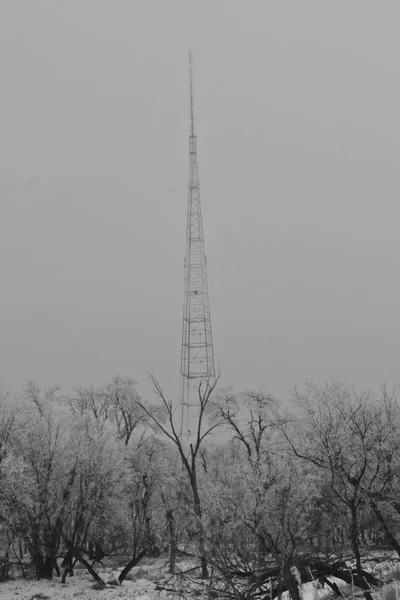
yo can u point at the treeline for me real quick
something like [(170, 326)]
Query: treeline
[(286, 496)]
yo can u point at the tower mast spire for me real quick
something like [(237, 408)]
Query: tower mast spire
[(191, 95), (197, 354)]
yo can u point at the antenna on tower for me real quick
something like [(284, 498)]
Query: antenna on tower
[(191, 94), (197, 354)]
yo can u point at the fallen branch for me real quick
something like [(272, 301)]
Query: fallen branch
[(89, 567)]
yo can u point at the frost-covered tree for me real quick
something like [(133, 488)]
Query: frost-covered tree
[(95, 501), (10, 407), (259, 498), (42, 443), (116, 401), (345, 435)]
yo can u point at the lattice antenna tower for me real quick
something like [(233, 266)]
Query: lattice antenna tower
[(197, 356)]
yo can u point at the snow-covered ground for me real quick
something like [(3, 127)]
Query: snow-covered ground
[(83, 587), (144, 579), (79, 587)]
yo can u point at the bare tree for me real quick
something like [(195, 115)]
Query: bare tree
[(121, 396), (42, 444), (89, 399), (189, 456)]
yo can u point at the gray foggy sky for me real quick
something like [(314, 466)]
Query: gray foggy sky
[(297, 116)]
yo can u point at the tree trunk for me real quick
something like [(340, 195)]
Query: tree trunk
[(98, 552), (262, 550), (67, 564), (202, 548), (57, 570), (49, 567), (172, 540), (390, 537), (197, 512), (130, 565), (91, 549), (354, 538), (39, 566), (148, 537), (152, 550), (291, 583)]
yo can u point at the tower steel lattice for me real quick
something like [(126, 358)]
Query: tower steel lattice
[(197, 356)]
